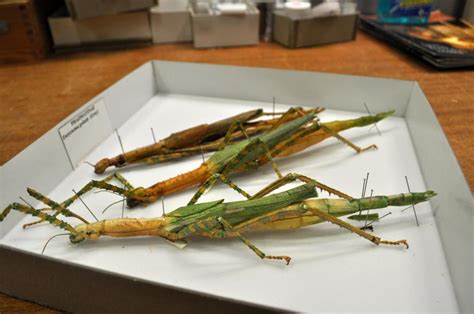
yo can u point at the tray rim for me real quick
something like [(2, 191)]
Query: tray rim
[(158, 74)]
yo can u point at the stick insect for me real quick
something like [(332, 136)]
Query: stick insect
[(291, 209), (244, 155), (201, 138)]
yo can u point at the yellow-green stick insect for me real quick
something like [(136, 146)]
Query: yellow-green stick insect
[(201, 138), (244, 155), (291, 209), (241, 154)]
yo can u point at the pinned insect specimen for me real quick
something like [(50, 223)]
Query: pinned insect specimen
[(201, 138), (291, 209), (247, 154)]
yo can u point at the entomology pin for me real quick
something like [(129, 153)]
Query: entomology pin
[(412, 206), (90, 211), (26, 202), (123, 205), (163, 205), (153, 134), (202, 153), (375, 123), (362, 194), (370, 202), (370, 224), (120, 141), (273, 116), (364, 188), (366, 183)]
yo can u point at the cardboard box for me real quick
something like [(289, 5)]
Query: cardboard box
[(305, 32), (24, 32), (225, 30), (171, 23), (124, 28), (435, 274), (81, 9)]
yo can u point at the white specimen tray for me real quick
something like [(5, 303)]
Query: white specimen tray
[(331, 269)]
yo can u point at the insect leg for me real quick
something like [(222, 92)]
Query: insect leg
[(346, 141), (122, 180), (269, 156), (289, 115), (293, 139), (236, 124), (55, 214), (102, 184), (374, 239), (60, 209), (292, 114), (210, 182), (36, 212), (290, 177), (242, 158), (89, 186), (227, 226)]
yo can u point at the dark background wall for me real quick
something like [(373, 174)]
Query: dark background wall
[(451, 7)]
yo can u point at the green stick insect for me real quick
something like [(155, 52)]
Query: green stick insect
[(291, 209), (244, 155), (201, 138)]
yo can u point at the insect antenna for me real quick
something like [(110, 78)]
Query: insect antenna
[(100, 191), (90, 164), (112, 204), (49, 240)]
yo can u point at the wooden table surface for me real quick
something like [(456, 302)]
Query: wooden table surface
[(35, 97)]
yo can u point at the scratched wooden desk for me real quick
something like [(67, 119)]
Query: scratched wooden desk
[(35, 97)]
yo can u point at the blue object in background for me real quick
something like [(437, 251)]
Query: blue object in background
[(410, 12)]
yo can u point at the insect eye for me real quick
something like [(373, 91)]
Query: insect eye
[(139, 192), (75, 238)]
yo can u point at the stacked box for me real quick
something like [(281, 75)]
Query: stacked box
[(304, 32), (171, 22), (23, 29), (221, 30), (92, 23), (81, 9)]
